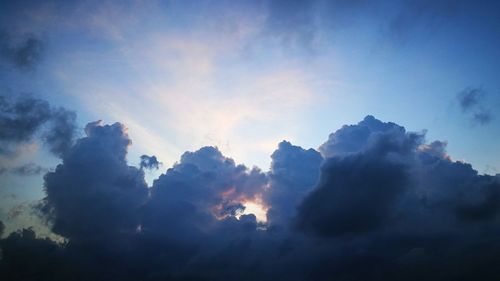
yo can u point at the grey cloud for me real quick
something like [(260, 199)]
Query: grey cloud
[(472, 102), (355, 138), (358, 190), (294, 173), (470, 97), (24, 118), (149, 162), (95, 187), (203, 186), (482, 117), (24, 53)]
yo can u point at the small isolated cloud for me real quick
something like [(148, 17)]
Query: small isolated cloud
[(149, 162), (472, 103)]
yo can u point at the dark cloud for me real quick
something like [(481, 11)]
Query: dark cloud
[(2, 228), (472, 102), (26, 257), (382, 204), (362, 181), (95, 187), (149, 162), (294, 173), (204, 186), (23, 53), (61, 131), (351, 139), (22, 119)]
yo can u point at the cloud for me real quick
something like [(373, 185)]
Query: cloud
[(22, 118), (149, 162), (483, 117), (201, 189), (361, 180), (95, 187), (25, 256), (294, 173), (24, 53), (470, 98), (377, 202), (351, 139), (472, 102)]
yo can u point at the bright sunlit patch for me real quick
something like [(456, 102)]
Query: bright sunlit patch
[(256, 208)]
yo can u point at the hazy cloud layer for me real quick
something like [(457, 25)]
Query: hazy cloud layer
[(380, 204), (29, 169)]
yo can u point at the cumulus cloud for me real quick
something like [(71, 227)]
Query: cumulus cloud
[(95, 187), (351, 139), (201, 189), (376, 202), (24, 118), (294, 173)]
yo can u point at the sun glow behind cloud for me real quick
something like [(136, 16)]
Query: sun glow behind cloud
[(257, 209), (187, 89)]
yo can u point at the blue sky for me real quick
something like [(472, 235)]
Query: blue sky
[(244, 75)]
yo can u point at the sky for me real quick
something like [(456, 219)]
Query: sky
[(270, 107)]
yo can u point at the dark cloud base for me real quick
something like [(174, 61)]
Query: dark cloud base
[(374, 203)]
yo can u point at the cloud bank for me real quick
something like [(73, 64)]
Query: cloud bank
[(376, 202)]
